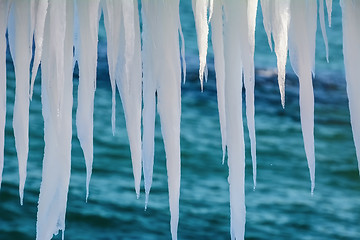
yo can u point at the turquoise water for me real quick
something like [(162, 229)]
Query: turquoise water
[(280, 208)]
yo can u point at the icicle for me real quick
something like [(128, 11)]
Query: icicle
[(202, 29), (20, 36), (163, 71), (39, 37), (218, 46), (123, 34), (302, 34), (329, 10), (57, 56), (247, 50), (112, 25), (276, 14), (4, 11), (182, 53), (323, 29), (87, 60), (351, 49), (235, 12)]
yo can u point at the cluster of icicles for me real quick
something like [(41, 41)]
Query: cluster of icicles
[(141, 70)]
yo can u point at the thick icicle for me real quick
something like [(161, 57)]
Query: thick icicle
[(38, 37), (302, 34), (21, 38), (235, 11), (218, 46), (87, 60), (351, 48), (329, 10), (276, 22), (57, 58), (123, 34), (323, 28), (4, 12), (162, 68), (200, 8)]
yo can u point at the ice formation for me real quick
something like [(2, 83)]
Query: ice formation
[(145, 67), (351, 48), (162, 75)]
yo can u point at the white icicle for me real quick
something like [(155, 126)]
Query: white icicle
[(323, 29), (163, 69), (329, 10), (235, 12), (4, 12), (302, 34), (21, 37), (38, 37), (218, 46), (200, 8), (112, 25), (247, 54), (351, 49), (276, 14), (87, 61), (57, 56)]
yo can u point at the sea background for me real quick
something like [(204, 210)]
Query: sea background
[(281, 207)]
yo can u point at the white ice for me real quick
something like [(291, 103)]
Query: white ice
[(123, 34), (21, 27), (276, 19), (4, 12), (235, 12), (219, 62), (41, 11), (302, 34), (351, 49), (200, 10), (162, 70), (323, 28), (56, 70), (88, 23), (329, 10)]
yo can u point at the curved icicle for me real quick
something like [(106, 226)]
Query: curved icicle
[(38, 39), (20, 40), (161, 22), (351, 49), (302, 35), (56, 70), (218, 46), (87, 61), (4, 12)]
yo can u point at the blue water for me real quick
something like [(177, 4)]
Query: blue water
[(280, 208)]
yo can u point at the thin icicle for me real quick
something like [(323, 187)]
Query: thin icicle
[(218, 46), (163, 71), (302, 34), (38, 37), (323, 29), (57, 56), (235, 12), (351, 49), (247, 50), (329, 10), (4, 12), (87, 61), (200, 8), (182, 53), (112, 25), (20, 36), (276, 14)]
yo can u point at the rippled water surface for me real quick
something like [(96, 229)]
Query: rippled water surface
[(280, 208)]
